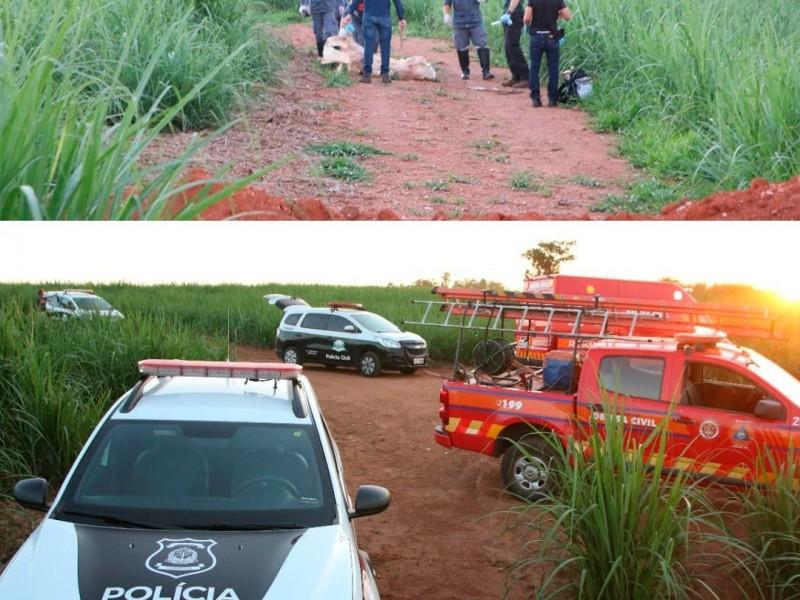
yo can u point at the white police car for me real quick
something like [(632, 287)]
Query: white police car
[(67, 304), (207, 481), (345, 334)]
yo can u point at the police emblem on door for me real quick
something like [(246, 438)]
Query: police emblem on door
[(338, 346), (183, 557)]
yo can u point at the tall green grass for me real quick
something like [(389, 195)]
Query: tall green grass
[(57, 378), (85, 88), (770, 515), (701, 91), (616, 526)]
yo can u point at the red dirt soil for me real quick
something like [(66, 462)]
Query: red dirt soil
[(762, 200)]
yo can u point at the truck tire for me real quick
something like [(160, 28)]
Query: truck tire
[(526, 467), (291, 356), (369, 364)]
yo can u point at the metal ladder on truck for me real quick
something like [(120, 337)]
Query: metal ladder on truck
[(544, 322)]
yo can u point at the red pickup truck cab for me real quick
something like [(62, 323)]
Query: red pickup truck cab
[(724, 406)]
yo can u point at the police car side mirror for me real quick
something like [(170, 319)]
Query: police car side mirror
[(767, 408), (350, 328), (32, 493), (370, 500)]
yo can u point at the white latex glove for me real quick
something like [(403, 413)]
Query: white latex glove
[(304, 11), (448, 19)]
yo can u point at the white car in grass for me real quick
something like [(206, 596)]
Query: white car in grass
[(66, 304), (207, 480)]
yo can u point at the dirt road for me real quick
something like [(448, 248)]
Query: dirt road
[(454, 146), (442, 535)]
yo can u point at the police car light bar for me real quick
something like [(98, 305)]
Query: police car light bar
[(353, 305), (208, 368)]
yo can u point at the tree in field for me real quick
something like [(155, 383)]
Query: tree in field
[(547, 257)]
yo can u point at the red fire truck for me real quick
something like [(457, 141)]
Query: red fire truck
[(660, 362)]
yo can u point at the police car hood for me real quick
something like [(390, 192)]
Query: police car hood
[(71, 562), (402, 336)]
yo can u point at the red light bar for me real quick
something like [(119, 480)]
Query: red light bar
[(210, 368)]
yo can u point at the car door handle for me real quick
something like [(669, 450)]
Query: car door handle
[(683, 420)]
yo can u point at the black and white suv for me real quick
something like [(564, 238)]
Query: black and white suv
[(206, 481), (345, 334)]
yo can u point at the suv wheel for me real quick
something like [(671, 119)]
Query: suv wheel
[(291, 356), (369, 365), (527, 467)]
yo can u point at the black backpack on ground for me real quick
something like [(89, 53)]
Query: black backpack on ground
[(568, 90)]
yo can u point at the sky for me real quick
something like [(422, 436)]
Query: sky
[(763, 255)]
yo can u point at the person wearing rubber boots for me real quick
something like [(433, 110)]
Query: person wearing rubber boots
[(512, 31), (325, 15), (541, 17), (467, 24)]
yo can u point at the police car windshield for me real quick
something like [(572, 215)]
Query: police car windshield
[(201, 475), (91, 303), (375, 323)]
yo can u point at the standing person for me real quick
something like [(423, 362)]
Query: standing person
[(467, 25), (377, 22), (325, 15), (512, 31), (541, 16)]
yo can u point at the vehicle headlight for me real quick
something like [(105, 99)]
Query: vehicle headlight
[(388, 343)]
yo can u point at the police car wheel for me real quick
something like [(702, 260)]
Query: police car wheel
[(369, 365), (291, 356), (526, 467)]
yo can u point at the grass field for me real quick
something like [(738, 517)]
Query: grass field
[(702, 93), (87, 85)]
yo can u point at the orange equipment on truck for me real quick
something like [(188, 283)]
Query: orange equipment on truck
[(661, 361)]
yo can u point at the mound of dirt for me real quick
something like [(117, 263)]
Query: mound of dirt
[(761, 201)]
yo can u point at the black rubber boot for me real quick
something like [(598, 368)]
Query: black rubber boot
[(463, 61), (483, 56), (320, 46)]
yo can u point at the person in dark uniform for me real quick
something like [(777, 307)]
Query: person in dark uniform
[(467, 25), (512, 31), (541, 17)]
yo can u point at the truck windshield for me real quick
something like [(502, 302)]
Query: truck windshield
[(776, 376), (375, 323), (201, 475), (91, 303)]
